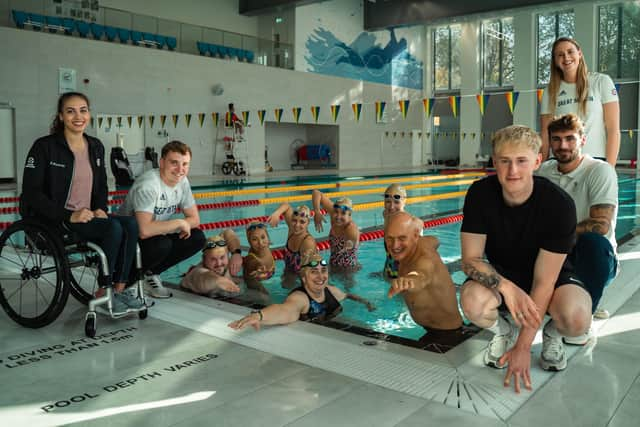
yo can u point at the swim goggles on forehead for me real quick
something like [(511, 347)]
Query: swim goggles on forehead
[(392, 196), (314, 264), (344, 208), (254, 226), (301, 214), (215, 243)]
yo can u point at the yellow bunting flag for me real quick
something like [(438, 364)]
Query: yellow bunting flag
[(630, 133), (214, 118), (228, 119), (174, 119), (109, 119), (482, 102), (539, 94), (163, 119), (404, 107), (245, 117), (93, 122), (357, 110), (454, 102), (473, 135), (261, 114), (402, 134), (201, 117), (315, 112), (296, 113), (386, 133), (187, 119), (428, 106), (335, 110), (119, 121), (428, 134), (512, 99), (129, 120), (464, 135), (278, 114), (151, 120), (140, 121), (380, 105)]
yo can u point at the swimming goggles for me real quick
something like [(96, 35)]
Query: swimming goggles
[(392, 196), (252, 227), (344, 208), (215, 243), (314, 264), (302, 214)]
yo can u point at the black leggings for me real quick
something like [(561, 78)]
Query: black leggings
[(164, 251)]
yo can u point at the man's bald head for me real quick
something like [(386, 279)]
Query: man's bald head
[(404, 220), (401, 234)]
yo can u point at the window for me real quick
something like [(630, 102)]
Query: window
[(550, 27), (497, 52), (446, 58), (619, 40)]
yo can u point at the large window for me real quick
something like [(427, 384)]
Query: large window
[(550, 27), (497, 52), (446, 58), (619, 40)]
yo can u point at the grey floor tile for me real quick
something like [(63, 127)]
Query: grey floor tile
[(628, 412), (437, 415)]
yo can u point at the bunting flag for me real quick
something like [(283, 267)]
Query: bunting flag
[(151, 120), (174, 119), (428, 134), (428, 106), (93, 122), (618, 88), (473, 135), (512, 99), (109, 121), (163, 119), (454, 102), (630, 133), (404, 107), (539, 94), (201, 117), (482, 102), (315, 112), (140, 121), (261, 114), (227, 119), (380, 110), (245, 118), (296, 113), (215, 117), (357, 110), (335, 110), (129, 120), (119, 121), (278, 114), (187, 119)]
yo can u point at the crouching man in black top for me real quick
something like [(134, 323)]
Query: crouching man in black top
[(525, 226)]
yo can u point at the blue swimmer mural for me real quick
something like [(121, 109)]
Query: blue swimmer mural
[(364, 59)]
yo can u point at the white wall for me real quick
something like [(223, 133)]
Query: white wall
[(132, 80), (221, 14)]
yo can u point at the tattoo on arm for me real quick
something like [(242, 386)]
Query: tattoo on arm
[(489, 279), (599, 220)]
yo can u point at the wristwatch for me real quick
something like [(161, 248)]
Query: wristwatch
[(259, 312), (237, 251)]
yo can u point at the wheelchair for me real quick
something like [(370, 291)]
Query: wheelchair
[(40, 265)]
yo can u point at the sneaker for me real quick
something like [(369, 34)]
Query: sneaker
[(153, 286), (130, 297), (601, 313), (118, 306), (497, 347), (580, 339), (552, 357)]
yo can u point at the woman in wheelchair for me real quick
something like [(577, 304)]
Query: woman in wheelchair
[(65, 185)]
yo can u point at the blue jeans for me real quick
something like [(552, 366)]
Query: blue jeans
[(117, 236), (595, 263)]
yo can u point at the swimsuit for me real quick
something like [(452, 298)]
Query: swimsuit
[(267, 274), (320, 311), (293, 259), (340, 256)]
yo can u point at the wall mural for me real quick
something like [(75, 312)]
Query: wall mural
[(364, 59)]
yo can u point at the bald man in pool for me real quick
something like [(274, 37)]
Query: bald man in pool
[(423, 279)]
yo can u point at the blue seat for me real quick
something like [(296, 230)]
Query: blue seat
[(161, 40), (136, 37), (53, 23), (36, 20), (68, 24), (124, 35), (96, 30), (149, 39), (203, 47), (110, 32), (19, 18), (223, 51), (213, 49), (249, 55), (83, 28), (172, 43), (233, 52)]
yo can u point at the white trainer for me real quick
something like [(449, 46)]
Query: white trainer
[(498, 346), (553, 357), (153, 286), (580, 339)]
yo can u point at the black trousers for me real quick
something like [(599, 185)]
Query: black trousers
[(162, 252)]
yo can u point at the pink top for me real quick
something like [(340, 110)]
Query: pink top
[(81, 183)]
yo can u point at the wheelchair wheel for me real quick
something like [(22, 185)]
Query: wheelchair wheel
[(83, 275), (33, 274), (142, 314), (227, 167), (90, 325)]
